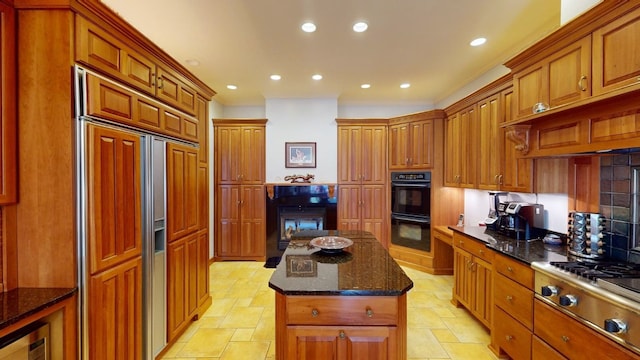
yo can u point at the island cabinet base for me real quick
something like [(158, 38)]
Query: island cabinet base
[(341, 327)]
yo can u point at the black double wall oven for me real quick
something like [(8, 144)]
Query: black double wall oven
[(411, 210)]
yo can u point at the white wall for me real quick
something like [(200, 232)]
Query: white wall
[(569, 9), (477, 202), (307, 120)]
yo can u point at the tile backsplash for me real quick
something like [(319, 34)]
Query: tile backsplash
[(619, 200)]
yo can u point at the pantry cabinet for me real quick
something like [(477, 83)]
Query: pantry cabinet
[(8, 121), (411, 142), (239, 148), (473, 277), (362, 176), (182, 190)]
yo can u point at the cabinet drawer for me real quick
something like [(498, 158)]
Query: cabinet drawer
[(514, 299), (475, 247), (514, 270), (571, 338), (511, 336), (342, 310), (540, 350)]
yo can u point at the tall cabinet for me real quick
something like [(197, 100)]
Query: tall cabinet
[(240, 194), (362, 176)]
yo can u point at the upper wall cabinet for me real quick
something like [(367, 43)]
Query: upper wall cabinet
[(592, 59), (102, 51), (561, 78), (411, 141)]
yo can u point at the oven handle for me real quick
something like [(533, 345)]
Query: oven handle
[(424, 184), (413, 219)]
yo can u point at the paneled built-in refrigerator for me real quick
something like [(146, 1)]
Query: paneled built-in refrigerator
[(121, 236)]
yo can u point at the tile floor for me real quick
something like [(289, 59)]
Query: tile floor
[(240, 323)]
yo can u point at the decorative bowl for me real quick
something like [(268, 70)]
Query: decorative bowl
[(331, 243)]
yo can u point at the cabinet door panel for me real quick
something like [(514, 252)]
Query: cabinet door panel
[(516, 171), (329, 342), (569, 73), (202, 290), (228, 241), (398, 147), (616, 54), (177, 288), (373, 211), (349, 207), (8, 139), (228, 147), (350, 154), (182, 190), (174, 91), (252, 158), (489, 166), (529, 89), (191, 243), (253, 227), (115, 312), (373, 154), (422, 145), (114, 214)]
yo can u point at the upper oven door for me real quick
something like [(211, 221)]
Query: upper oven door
[(411, 198)]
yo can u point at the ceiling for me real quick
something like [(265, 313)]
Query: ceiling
[(421, 42)]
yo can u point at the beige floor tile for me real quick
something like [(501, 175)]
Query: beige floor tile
[(242, 317), (242, 335), (207, 342), (220, 307), (444, 335), (422, 344), (465, 351), (424, 318), (246, 351)]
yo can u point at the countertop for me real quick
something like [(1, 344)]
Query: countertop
[(362, 269), (20, 303), (525, 251)]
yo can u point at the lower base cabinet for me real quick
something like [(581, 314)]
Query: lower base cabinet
[(341, 327)]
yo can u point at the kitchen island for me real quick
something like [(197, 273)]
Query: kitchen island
[(349, 304)]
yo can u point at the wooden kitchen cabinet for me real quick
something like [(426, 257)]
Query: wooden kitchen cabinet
[(513, 312), (616, 54), (362, 153), (182, 190), (461, 154), (241, 222), (116, 324), (411, 141), (362, 207), (240, 151), (104, 52), (8, 121), (341, 327), (516, 173), (558, 79), (570, 337), (473, 277), (489, 169), (114, 197), (362, 176)]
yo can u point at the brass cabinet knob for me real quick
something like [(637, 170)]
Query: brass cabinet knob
[(342, 335), (369, 313), (315, 312)]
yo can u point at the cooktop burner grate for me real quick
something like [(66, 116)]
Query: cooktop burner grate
[(597, 270)]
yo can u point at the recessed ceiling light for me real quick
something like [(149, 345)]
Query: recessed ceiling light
[(275, 77), (317, 77), (365, 86), (308, 27), (478, 41), (405, 86), (231, 87), (192, 62), (360, 26)]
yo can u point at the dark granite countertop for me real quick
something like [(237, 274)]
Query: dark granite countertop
[(363, 269), (525, 251), (20, 303)]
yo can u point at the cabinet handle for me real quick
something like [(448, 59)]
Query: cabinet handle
[(406, 161), (509, 269), (342, 334), (581, 81), (315, 312), (565, 338), (500, 179), (508, 338), (509, 298), (153, 79), (496, 180), (369, 313), (160, 83), (481, 252)]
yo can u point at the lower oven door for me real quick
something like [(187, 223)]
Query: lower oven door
[(411, 232)]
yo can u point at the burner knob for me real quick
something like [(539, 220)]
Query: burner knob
[(568, 300), (615, 326), (549, 290)]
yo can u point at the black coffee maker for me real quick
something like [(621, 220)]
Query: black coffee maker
[(522, 221), (496, 210)]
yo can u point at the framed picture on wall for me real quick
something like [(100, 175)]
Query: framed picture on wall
[(300, 154)]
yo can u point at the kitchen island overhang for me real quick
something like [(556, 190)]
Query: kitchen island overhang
[(350, 303)]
